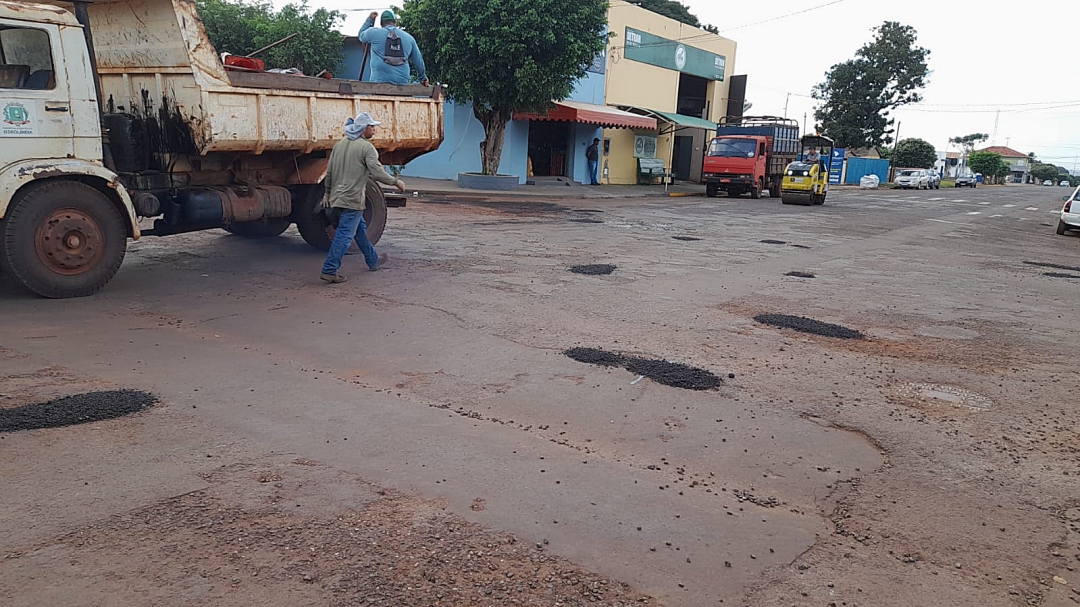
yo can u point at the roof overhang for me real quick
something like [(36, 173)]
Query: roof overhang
[(676, 122), (589, 113)]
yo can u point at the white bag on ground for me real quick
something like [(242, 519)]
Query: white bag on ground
[(869, 182)]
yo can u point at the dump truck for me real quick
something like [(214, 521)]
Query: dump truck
[(120, 120), (749, 154)]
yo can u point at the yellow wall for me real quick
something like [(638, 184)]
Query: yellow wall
[(631, 83)]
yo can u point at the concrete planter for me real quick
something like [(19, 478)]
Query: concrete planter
[(478, 181)]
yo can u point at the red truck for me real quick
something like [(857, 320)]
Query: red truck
[(750, 154)]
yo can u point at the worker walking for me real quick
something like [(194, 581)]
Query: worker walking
[(352, 162), (393, 50), (592, 154)]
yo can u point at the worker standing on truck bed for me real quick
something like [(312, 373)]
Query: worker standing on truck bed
[(394, 50), (352, 162)]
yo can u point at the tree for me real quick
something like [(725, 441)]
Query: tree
[(967, 143), (858, 94), (991, 165), (505, 55), (241, 28), (914, 153), (1043, 172)]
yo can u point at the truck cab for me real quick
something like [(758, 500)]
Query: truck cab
[(735, 164)]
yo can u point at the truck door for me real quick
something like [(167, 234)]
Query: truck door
[(35, 108)]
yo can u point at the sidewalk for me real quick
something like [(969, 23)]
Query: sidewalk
[(547, 188)]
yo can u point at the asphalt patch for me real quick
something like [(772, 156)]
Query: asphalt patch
[(800, 246), (594, 269), (686, 238), (808, 325), (586, 220), (1060, 275), (75, 409), (676, 375), (1055, 266), (773, 241), (596, 356), (801, 274)]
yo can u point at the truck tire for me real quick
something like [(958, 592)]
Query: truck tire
[(755, 192), (263, 228), (62, 239), (774, 191), (314, 225), (712, 189)]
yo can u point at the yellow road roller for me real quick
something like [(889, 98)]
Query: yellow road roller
[(806, 181)]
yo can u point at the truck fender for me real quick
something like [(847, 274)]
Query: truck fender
[(16, 176)]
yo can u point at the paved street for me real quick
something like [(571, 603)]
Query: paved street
[(416, 436)]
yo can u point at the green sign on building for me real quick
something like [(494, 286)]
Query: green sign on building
[(661, 52)]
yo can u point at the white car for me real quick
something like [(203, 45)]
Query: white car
[(912, 178), (1070, 213), (1048, 182), (933, 179), (1064, 183)]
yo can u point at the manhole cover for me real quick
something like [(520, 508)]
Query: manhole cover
[(808, 325), (800, 275), (940, 394), (76, 409), (594, 269)]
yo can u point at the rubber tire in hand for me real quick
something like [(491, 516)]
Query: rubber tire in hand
[(27, 215)]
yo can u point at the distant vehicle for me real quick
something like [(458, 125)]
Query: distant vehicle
[(1048, 182), (1064, 183), (966, 180), (1070, 217), (749, 155), (933, 179), (912, 178)]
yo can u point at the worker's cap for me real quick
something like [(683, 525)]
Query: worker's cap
[(362, 121), (389, 16)]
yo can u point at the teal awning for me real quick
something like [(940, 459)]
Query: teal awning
[(678, 121)]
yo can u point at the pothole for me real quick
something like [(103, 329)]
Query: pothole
[(800, 246), (808, 325), (769, 241), (668, 373), (797, 274), (686, 238), (594, 269), (944, 395), (75, 409)]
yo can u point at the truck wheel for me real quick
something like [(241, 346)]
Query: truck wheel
[(711, 190), (62, 239), (315, 227), (755, 192), (263, 228), (774, 191)]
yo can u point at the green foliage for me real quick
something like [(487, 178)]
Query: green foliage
[(240, 28), (914, 153), (858, 94), (674, 10), (991, 165), (507, 55), (1043, 172), (968, 142)]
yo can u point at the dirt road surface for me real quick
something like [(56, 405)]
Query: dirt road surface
[(416, 436)]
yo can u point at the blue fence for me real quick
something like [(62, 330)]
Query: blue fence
[(857, 168)]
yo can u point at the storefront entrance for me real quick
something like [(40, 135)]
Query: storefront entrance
[(548, 143)]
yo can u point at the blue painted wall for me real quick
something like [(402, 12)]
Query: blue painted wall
[(857, 168)]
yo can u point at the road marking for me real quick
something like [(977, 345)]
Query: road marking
[(975, 213), (941, 221), (984, 203), (1008, 206), (994, 216), (934, 199), (1031, 209), (1054, 212), (960, 200)]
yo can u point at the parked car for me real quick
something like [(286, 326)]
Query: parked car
[(933, 179), (1064, 183), (1070, 213), (911, 178), (967, 180), (1048, 182)]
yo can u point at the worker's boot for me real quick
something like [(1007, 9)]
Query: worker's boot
[(333, 278)]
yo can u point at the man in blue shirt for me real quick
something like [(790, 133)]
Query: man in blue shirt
[(390, 62)]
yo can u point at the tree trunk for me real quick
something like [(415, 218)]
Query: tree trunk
[(494, 123)]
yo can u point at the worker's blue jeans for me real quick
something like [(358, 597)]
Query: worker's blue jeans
[(594, 172), (350, 227)]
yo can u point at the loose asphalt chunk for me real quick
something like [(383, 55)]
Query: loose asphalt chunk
[(596, 356), (75, 409), (797, 274), (769, 241), (676, 375), (1055, 266), (808, 325), (594, 269), (1061, 275)]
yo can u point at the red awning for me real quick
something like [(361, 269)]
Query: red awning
[(588, 113)]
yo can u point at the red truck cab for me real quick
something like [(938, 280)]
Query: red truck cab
[(736, 164)]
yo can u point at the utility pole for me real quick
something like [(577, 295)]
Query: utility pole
[(786, 101), (805, 132), (997, 120)]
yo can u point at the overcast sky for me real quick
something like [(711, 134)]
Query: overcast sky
[(1021, 59)]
